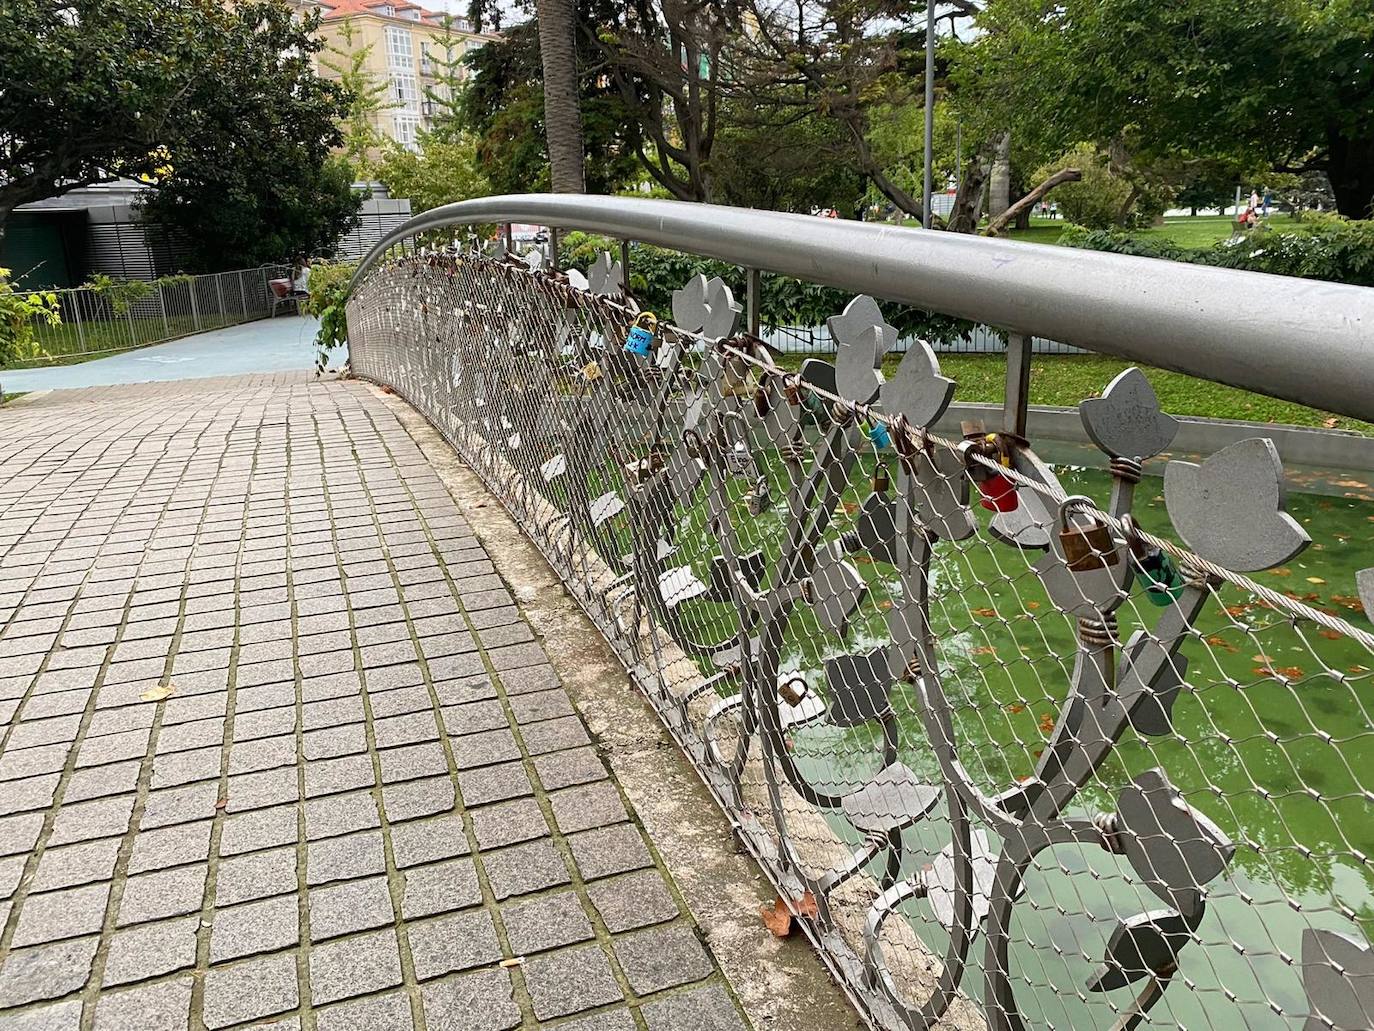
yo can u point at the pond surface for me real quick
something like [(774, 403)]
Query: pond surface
[(1272, 740)]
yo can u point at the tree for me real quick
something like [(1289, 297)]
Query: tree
[(367, 99), (444, 170), (445, 54), (98, 89), (502, 108), (562, 103), (1287, 84)]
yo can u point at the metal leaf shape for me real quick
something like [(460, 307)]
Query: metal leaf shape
[(1173, 847), (942, 501), (680, 585), (856, 365), (890, 801), (837, 591), (876, 528), (706, 307), (858, 315), (917, 390), (605, 507), (1230, 508), (606, 276), (577, 280), (1125, 421), (1338, 975), (859, 686), (1364, 581), (1145, 945), (941, 881)]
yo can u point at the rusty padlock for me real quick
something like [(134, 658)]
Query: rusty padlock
[(1087, 545)]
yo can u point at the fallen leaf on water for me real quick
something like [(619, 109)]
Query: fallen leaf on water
[(156, 694), (1016, 708), (1032, 604), (1281, 571), (986, 649), (861, 560), (1046, 723), (1359, 669), (886, 603), (849, 507), (1261, 657), (986, 613), (1349, 483), (1332, 635), (1237, 610), (1315, 580), (1349, 601)]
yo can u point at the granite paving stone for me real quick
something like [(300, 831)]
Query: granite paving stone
[(457, 941), (285, 841), (546, 922), (567, 982)]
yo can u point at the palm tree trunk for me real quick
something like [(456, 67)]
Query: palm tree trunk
[(562, 106)]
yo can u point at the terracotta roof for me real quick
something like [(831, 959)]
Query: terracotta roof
[(345, 8)]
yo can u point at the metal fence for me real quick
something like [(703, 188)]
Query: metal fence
[(1020, 747), (98, 322)]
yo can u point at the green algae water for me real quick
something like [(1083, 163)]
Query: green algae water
[(1271, 739)]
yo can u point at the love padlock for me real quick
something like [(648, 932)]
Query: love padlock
[(1166, 582), (1088, 546), (641, 337), (880, 436)]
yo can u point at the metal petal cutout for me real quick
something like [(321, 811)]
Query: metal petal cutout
[(1173, 847), (942, 500), (1125, 421), (856, 365), (837, 591), (1338, 976), (876, 528), (941, 882), (858, 315), (1229, 509), (1364, 582), (751, 565), (1144, 945), (606, 276), (706, 307), (890, 801), (917, 390), (859, 687)]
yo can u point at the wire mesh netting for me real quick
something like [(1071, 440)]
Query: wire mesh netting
[(1021, 746)]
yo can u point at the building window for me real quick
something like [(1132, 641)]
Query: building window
[(407, 129), (387, 10), (400, 54), (405, 91)]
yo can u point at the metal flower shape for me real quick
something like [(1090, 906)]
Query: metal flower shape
[(862, 336), (1125, 421), (606, 276), (1144, 945), (577, 280), (1174, 848), (1230, 508), (706, 307), (1338, 975), (534, 259), (917, 390)]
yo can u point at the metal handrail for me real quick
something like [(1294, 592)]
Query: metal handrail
[(1301, 340)]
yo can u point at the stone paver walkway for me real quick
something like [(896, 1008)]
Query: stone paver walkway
[(277, 747)]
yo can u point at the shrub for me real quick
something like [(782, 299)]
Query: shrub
[(328, 297), (1331, 248), (19, 310), (1103, 199)]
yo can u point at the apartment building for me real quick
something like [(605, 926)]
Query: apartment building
[(408, 48)]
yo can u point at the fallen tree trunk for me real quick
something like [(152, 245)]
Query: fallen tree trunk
[(1066, 175)]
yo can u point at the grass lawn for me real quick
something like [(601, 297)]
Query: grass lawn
[(7, 398), (1065, 380), (1199, 231)]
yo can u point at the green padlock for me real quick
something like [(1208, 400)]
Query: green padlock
[(1166, 582)]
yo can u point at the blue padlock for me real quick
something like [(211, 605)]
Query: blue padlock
[(879, 435), (641, 338)]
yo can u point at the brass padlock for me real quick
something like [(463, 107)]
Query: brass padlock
[(1088, 546), (881, 480), (591, 372)]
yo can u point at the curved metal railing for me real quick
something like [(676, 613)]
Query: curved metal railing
[(1091, 751), (1301, 340)]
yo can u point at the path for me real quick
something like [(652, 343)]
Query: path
[(278, 747), (282, 344)]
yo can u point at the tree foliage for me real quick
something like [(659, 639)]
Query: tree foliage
[(195, 93), (443, 170), (503, 109), (367, 96), (1286, 84)]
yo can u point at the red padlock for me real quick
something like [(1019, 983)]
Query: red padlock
[(999, 493)]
